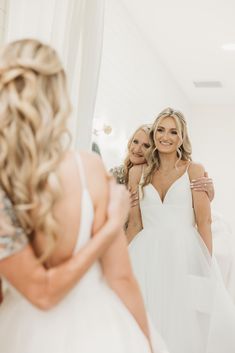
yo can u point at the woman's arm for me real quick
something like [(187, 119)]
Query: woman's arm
[(46, 287), (201, 206), (204, 184), (118, 273), (134, 224)]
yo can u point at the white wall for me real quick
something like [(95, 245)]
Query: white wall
[(134, 85), (213, 137)]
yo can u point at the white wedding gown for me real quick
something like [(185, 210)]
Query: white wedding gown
[(224, 250), (90, 319), (181, 283)]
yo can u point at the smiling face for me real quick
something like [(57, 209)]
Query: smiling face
[(138, 147), (166, 136)]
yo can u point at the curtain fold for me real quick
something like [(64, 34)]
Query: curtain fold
[(75, 29)]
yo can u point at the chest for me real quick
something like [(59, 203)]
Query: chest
[(163, 182)]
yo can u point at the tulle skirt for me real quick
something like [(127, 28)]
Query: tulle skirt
[(183, 289), (224, 250), (91, 319)]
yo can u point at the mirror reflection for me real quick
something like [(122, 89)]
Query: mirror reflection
[(166, 89)]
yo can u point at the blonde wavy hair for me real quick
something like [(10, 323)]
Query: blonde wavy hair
[(127, 162), (33, 113), (184, 150)]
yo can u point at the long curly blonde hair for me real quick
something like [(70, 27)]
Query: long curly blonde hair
[(184, 151), (127, 162), (33, 112)]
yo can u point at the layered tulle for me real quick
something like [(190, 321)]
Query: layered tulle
[(90, 319), (224, 250), (182, 284)]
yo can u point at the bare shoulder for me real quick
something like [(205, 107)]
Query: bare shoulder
[(91, 161), (96, 175), (94, 167), (94, 170), (196, 170), (135, 172)]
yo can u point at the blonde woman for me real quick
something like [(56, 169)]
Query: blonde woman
[(172, 256), (98, 306), (137, 149)]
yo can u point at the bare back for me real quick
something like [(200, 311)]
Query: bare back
[(68, 209)]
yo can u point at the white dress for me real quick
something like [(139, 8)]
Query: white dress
[(182, 285), (90, 319), (224, 250)]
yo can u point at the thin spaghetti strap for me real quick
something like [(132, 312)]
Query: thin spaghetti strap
[(81, 170), (142, 176), (140, 183)]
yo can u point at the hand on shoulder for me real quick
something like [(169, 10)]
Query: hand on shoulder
[(135, 173)]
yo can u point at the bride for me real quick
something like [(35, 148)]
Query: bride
[(98, 306), (172, 255)]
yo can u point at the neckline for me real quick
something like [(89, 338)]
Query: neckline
[(170, 187)]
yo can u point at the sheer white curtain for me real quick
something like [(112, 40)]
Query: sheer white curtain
[(2, 20), (75, 29)]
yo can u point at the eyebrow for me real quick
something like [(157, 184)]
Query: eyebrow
[(162, 127)]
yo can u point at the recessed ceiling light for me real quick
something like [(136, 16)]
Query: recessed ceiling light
[(229, 46), (207, 84)]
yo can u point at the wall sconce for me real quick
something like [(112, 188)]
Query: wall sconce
[(106, 129)]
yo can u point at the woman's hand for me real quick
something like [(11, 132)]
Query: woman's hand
[(204, 184), (134, 198)]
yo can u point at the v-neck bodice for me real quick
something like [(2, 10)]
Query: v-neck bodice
[(178, 197)]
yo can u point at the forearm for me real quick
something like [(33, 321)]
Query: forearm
[(128, 291), (119, 276), (62, 278), (204, 229), (131, 230), (43, 287), (201, 203), (134, 225)]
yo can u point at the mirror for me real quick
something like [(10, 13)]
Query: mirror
[(159, 54), (164, 53)]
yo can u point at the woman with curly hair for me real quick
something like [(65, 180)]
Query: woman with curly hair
[(84, 278), (172, 255), (137, 149)]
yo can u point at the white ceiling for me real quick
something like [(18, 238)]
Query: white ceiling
[(188, 35)]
